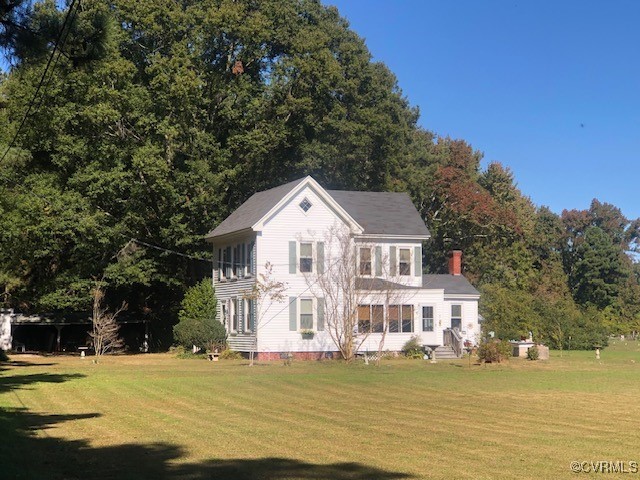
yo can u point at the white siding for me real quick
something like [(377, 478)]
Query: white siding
[(470, 326), (291, 224)]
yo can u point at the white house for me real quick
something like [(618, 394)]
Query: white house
[(301, 230)]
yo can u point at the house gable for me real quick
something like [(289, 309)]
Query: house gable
[(319, 193), (261, 207)]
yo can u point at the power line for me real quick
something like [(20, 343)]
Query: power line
[(56, 45), (63, 34), (288, 301), (55, 64), (168, 250)]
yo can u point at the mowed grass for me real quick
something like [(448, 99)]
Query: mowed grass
[(155, 416)]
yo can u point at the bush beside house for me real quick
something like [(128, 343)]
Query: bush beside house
[(197, 323)]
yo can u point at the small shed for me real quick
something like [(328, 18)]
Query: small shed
[(520, 349)]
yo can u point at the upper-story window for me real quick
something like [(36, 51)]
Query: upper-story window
[(236, 261), (404, 263), (365, 261), (226, 261), (250, 256), (306, 257), (305, 205)]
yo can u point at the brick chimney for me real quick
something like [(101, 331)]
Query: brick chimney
[(455, 262)]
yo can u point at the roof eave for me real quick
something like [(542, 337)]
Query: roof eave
[(309, 181), (212, 238), (393, 237), (462, 296)]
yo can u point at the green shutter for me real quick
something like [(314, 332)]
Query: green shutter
[(417, 261), (378, 261), (320, 248), (252, 315), (320, 314), (293, 314), (292, 257), (393, 263)]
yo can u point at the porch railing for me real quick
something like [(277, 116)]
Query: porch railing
[(453, 339)]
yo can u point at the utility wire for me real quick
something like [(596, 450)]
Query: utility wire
[(44, 82), (167, 250), (56, 46), (261, 324), (55, 64)]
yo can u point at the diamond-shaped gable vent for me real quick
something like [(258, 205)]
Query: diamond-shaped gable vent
[(305, 205)]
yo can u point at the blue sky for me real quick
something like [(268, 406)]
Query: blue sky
[(550, 89)]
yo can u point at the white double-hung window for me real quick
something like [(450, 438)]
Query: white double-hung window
[(306, 257), (306, 314), (427, 318)]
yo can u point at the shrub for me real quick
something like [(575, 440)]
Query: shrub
[(3, 356), (197, 319), (230, 355), (491, 351), (412, 348), (533, 353)]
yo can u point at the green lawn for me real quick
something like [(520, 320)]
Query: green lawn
[(155, 416)]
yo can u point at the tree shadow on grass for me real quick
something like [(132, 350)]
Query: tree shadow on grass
[(18, 363), (8, 383), (29, 451)]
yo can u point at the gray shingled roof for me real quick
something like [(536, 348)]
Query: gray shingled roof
[(387, 213), (383, 213), (452, 284), (253, 209)]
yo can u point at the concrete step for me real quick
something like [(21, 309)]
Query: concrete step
[(445, 353)]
